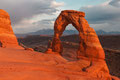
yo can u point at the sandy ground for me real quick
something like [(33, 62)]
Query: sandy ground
[(20, 64)]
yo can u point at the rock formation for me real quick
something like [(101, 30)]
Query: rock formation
[(89, 49), (7, 37), (89, 45)]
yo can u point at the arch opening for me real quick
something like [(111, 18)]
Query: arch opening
[(69, 40)]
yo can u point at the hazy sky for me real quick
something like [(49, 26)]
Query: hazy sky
[(33, 15)]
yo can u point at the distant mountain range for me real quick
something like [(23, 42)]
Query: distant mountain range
[(101, 32), (66, 32)]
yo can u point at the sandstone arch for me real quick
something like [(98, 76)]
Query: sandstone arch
[(89, 45)]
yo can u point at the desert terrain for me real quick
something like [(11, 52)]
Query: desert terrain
[(37, 58), (110, 44)]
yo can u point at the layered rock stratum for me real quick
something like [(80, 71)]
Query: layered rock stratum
[(20, 64)]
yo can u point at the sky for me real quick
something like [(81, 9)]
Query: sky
[(76, 4), (33, 15)]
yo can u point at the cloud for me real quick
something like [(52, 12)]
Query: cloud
[(105, 16), (115, 3), (24, 13), (26, 26), (32, 15), (21, 9), (56, 4)]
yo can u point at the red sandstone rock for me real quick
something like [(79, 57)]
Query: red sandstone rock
[(20, 64), (89, 45), (29, 49), (7, 37)]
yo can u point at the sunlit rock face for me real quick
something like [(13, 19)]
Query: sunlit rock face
[(89, 45), (7, 37)]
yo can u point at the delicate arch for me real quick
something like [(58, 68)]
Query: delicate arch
[(89, 45)]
